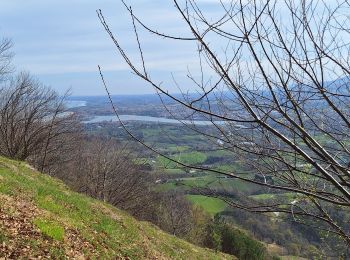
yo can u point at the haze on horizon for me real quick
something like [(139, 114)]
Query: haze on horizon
[(62, 42)]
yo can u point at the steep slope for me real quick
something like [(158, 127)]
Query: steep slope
[(41, 217)]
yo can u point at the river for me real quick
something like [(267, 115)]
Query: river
[(163, 120)]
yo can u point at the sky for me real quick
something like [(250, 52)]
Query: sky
[(61, 42)]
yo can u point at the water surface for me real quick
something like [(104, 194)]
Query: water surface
[(126, 118)]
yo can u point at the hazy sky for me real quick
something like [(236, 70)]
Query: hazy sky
[(62, 42)]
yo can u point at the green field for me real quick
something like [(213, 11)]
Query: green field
[(188, 158), (210, 205), (213, 182)]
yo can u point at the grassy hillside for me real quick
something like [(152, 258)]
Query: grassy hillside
[(41, 217)]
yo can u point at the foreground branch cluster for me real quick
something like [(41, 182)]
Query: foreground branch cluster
[(275, 83)]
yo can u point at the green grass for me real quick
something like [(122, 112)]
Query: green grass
[(177, 148), (200, 182), (213, 182), (50, 228), (110, 232), (189, 158), (174, 171), (210, 205)]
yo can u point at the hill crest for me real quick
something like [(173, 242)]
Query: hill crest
[(41, 217)]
